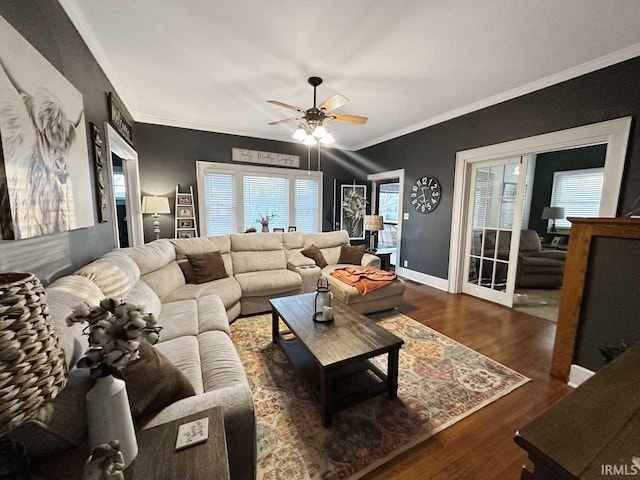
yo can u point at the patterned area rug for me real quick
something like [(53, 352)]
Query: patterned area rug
[(440, 383)]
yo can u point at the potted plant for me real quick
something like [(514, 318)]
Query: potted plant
[(264, 221)]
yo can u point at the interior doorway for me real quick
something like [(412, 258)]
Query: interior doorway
[(125, 190), (614, 134), (386, 200)]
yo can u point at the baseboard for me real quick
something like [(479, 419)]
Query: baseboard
[(578, 375), (423, 278)]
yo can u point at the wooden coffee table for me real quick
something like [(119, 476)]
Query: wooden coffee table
[(334, 356)]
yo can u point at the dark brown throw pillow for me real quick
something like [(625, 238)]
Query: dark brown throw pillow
[(315, 254), (351, 254), (207, 267), (153, 382)]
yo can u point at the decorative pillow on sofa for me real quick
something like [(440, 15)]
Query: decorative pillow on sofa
[(351, 254), (207, 266), (153, 382), (315, 254)]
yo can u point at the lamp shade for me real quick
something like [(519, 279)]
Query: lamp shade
[(373, 223), (553, 213), (155, 205)]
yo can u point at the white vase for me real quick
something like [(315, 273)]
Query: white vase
[(265, 228), (109, 417)]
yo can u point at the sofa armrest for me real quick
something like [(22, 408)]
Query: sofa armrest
[(369, 260), (553, 254), (300, 261)]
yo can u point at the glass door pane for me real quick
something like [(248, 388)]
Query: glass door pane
[(495, 191)]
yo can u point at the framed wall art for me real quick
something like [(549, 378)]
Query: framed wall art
[(353, 206), (45, 178)]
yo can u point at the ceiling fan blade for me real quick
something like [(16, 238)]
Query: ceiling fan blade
[(286, 120), (347, 118), (331, 103), (285, 105)]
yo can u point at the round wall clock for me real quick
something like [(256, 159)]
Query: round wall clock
[(425, 194)]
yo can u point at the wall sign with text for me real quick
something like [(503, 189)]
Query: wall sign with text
[(265, 158), (119, 119)]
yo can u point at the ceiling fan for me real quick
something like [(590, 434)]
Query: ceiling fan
[(312, 129)]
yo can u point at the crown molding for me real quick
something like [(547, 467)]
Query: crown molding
[(171, 122), (618, 56), (78, 19)]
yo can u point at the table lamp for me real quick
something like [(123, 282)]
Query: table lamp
[(373, 223), (553, 213), (155, 206)]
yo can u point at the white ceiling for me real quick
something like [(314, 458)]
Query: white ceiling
[(211, 65)]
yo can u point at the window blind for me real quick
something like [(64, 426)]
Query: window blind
[(578, 192), (306, 204), (266, 195), (220, 203)]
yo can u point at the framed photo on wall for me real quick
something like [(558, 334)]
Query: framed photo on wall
[(292, 229), (353, 206)]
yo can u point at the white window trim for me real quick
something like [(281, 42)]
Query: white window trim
[(559, 173), (202, 167)]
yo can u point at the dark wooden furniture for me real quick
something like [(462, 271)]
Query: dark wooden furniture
[(583, 231), (157, 458), (334, 356), (385, 259), (591, 431)]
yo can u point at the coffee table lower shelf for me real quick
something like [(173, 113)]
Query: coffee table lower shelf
[(341, 386)]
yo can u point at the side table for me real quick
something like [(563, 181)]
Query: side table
[(385, 259), (157, 458)]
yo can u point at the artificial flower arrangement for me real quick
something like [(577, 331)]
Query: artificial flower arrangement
[(115, 329), (265, 219)]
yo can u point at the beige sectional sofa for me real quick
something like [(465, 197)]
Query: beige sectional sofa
[(196, 317)]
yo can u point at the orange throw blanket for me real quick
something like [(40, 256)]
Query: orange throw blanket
[(365, 279)]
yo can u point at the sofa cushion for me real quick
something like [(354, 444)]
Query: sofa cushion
[(212, 314), (152, 256), (207, 267), (115, 276), (178, 319), (165, 280), (259, 284), (349, 294), (184, 353), (142, 295), (257, 252), (329, 243), (315, 254), (221, 366), (153, 382), (540, 261), (228, 289), (189, 246), (351, 254)]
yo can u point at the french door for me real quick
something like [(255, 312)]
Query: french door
[(493, 223)]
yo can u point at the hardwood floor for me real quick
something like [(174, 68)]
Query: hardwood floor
[(481, 446)]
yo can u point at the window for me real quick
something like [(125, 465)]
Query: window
[(220, 212), (578, 192), (119, 185), (389, 198), (232, 197)]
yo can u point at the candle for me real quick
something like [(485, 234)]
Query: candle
[(326, 313)]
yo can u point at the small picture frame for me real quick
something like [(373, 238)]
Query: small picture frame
[(278, 230), (186, 223), (556, 242), (184, 199), (292, 229), (186, 234), (185, 212)]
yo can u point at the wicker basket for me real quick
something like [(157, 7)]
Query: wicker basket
[(32, 362)]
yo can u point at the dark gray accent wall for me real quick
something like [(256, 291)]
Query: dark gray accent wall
[(45, 25), (549, 163), (167, 157), (610, 305), (602, 95)]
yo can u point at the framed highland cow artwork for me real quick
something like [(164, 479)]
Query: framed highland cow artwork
[(45, 179)]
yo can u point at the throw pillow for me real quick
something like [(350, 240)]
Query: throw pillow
[(207, 266), (153, 382), (315, 254), (351, 254)]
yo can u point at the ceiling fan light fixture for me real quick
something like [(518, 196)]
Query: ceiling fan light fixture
[(310, 140), (300, 134), (327, 139), (319, 131)]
